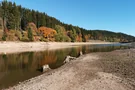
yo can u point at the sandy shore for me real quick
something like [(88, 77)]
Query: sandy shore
[(12, 47), (96, 71)]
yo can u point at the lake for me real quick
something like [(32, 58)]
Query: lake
[(17, 67)]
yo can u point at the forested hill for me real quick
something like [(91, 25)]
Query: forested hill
[(18, 23)]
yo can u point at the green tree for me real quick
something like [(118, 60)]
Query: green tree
[(83, 37), (61, 36), (13, 17), (4, 14), (4, 37), (72, 34), (30, 34), (34, 19), (16, 16), (43, 22), (1, 21)]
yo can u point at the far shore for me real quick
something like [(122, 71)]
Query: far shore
[(13, 47)]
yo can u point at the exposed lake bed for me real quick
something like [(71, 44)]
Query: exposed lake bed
[(93, 71), (16, 47)]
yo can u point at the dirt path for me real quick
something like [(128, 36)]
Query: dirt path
[(87, 72)]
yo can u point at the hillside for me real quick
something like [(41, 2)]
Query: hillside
[(21, 24)]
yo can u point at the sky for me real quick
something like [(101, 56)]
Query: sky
[(112, 15)]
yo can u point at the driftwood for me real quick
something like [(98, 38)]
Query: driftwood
[(69, 58)]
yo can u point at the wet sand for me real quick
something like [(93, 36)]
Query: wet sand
[(96, 71)]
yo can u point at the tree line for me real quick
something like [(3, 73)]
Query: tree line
[(19, 23)]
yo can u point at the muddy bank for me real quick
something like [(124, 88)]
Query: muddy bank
[(97, 71)]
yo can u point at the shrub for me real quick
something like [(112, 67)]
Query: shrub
[(4, 37), (41, 39), (67, 39), (24, 39), (18, 34)]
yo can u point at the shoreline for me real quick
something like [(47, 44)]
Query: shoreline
[(14, 47), (93, 71)]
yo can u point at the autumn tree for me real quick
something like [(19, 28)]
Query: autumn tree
[(48, 33), (79, 38), (79, 34)]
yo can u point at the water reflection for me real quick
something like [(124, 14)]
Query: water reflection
[(21, 66)]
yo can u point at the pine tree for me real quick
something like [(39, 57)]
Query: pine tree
[(1, 21), (43, 22), (10, 16), (4, 15), (34, 19)]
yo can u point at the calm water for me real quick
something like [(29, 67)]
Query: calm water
[(18, 67)]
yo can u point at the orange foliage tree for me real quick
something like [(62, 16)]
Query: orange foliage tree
[(79, 38), (48, 33)]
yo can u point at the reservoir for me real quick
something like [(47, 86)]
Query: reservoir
[(18, 67)]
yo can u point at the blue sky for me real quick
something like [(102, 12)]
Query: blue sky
[(112, 15)]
